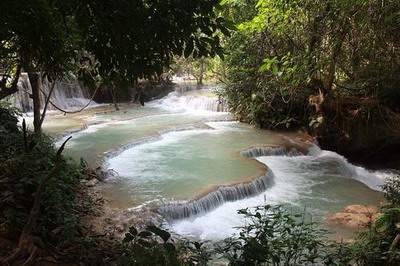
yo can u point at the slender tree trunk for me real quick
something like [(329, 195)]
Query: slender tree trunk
[(114, 97), (331, 71), (46, 104), (34, 79), (200, 79)]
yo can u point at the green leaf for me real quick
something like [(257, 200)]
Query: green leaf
[(159, 232), (145, 234), (133, 230), (128, 238)]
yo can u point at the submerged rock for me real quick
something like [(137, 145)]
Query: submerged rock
[(354, 216)]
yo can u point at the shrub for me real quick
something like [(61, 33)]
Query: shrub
[(155, 246), (25, 159), (273, 236)]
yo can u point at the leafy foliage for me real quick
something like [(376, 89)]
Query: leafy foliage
[(273, 236), (126, 39), (154, 246), (379, 245), (392, 190), (24, 161), (291, 63)]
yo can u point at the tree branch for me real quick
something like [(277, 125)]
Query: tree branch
[(7, 91), (47, 102), (72, 112)]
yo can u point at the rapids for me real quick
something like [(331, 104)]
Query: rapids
[(184, 156)]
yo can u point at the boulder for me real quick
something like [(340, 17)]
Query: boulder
[(354, 216)]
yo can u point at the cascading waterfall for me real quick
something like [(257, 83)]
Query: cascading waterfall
[(67, 94), (372, 179), (223, 194), (270, 151), (216, 198), (197, 100)]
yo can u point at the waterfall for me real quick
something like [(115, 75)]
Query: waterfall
[(223, 194), (373, 179), (181, 210), (191, 99), (270, 151), (68, 94)]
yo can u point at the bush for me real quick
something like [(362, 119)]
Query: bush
[(155, 246), (25, 159), (273, 236)]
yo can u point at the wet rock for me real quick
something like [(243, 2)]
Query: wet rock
[(354, 216)]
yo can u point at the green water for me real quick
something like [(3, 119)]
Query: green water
[(169, 150), (185, 164), (92, 144)]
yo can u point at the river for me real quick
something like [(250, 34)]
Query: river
[(185, 156)]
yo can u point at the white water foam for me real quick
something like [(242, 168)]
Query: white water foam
[(294, 178), (224, 220), (177, 102), (68, 94), (373, 179)]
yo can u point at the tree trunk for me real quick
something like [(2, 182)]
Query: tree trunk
[(47, 101), (34, 79), (200, 79), (331, 71), (114, 97)]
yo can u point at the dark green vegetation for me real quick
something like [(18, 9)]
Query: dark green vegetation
[(155, 246), (106, 43), (58, 228), (330, 67)]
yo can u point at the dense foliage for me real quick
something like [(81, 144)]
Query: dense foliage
[(106, 43), (129, 39), (331, 67), (24, 161), (155, 246), (273, 236), (380, 245)]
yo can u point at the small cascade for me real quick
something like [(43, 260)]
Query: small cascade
[(270, 151), (373, 179), (68, 94), (191, 99), (214, 199), (223, 194)]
